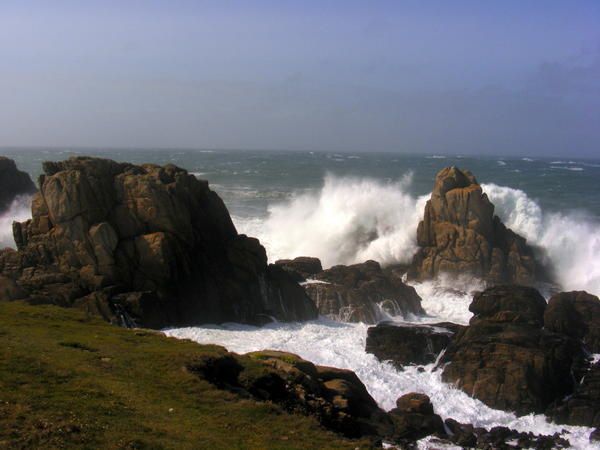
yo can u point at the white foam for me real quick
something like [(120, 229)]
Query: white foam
[(343, 345), (19, 211)]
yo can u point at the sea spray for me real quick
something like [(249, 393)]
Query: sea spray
[(342, 345), (351, 220), (19, 210)]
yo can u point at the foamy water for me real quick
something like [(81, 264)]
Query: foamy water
[(342, 345), (20, 210)]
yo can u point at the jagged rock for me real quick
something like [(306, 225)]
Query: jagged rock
[(302, 267), (404, 344), (582, 407), (414, 418), (336, 397), (506, 359), (151, 243), (13, 183), (460, 234), (576, 314), (353, 293)]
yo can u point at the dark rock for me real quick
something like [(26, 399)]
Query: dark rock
[(595, 435), (336, 397), (460, 234), (506, 359), (156, 242), (302, 267), (13, 183), (582, 407), (354, 293), (461, 434), (414, 418), (576, 314), (404, 344)]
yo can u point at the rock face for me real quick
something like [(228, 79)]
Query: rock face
[(13, 183), (460, 234), (353, 293), (583, 406), (576, 314), (302, 267), (506, 358), (404, 344), (145, 243), (414, 418)]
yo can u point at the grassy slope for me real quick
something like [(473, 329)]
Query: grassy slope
[(71, 381)]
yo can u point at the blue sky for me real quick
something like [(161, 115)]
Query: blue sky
[(501, 77)]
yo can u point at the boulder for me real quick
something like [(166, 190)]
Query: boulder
[(505, 357), (460, 234), (414, 418), (359, 292), (302, 267), (576, 314), (154, 244), (13, 183), (404, 344)]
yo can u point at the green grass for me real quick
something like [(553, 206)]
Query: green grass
[(68, 380)]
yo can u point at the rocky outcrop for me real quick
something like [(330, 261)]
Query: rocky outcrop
[(576, 314), (405, 344), (336, 397), (506, 358), (460, 234), (359, 292), (302, 267), (148, 245), (13, 183)]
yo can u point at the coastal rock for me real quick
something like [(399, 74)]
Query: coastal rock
[(404, 344), (582, 407), (153, 244), (414, 418), (460, 234), (13, 183), (302, 267), (505, 357), (576, 314), (357, 293), (336, 397)]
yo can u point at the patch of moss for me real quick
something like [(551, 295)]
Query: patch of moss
[(68, 380)]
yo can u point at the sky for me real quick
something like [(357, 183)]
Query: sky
[(486, 77)]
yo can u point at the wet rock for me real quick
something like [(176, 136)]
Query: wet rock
[(13, 183), (302, 267), (506, 359), (414, 418), (460, 234), (404, 344), (354, 293), (576, 314), (582, 407), (156, 242)]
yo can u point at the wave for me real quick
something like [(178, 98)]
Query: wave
[(19, 210), (350, 220)]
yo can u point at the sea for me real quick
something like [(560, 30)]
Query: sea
[(350, 207)]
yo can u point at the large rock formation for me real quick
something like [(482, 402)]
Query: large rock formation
[(13, 183), (506, 358), (302, 267), (576, 314), (460, 234), (359, 292), (144, 244)]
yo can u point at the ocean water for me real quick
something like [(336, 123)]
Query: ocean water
[(347, 208)]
